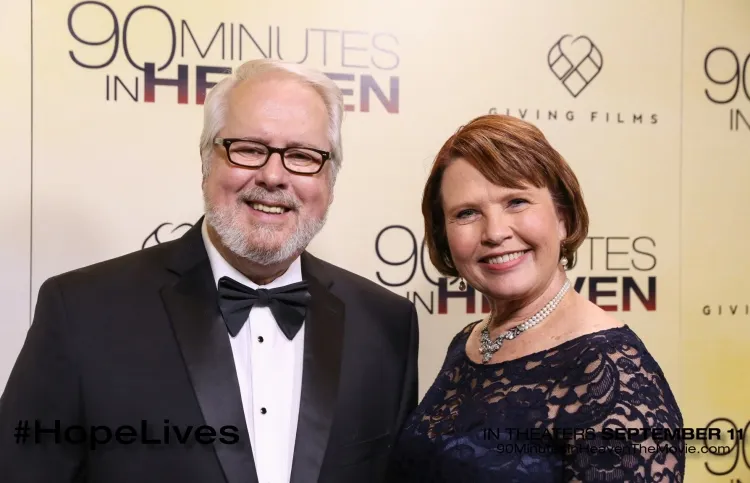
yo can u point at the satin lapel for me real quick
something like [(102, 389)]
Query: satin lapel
[(324, 338), (200, 331)]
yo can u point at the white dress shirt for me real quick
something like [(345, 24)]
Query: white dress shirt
[(269, 370)]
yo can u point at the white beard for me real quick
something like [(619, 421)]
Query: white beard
[(255, 242)]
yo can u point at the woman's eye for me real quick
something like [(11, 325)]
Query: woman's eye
[(465, 213)]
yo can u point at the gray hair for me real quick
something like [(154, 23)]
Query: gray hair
[(215, 108)]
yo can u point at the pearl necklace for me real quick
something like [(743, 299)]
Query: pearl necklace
[(488, 347)]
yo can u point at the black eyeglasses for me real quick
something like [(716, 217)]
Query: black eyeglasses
[(253, 154)]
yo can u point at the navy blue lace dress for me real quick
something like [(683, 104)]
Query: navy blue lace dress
[(551, 416)]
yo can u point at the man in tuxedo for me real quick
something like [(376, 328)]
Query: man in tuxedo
[(229, 355)]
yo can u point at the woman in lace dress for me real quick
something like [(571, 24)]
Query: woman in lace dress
[(552, 399)]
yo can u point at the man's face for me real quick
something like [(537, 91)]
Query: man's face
[(268, 215)]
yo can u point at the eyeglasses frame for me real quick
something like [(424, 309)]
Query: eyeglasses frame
[(227, 143)]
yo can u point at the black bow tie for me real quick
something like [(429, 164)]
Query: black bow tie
[(287, 304)]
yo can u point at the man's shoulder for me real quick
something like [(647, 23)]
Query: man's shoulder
[(129, 266)]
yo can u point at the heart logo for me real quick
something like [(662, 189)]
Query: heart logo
[(164, 233), (575, 62)]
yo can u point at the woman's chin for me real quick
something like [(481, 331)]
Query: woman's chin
[(506, 293), (509, 286)]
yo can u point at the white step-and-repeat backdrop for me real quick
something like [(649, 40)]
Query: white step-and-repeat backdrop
[(649, 102)]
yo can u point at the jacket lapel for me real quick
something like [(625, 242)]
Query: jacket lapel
[(324, 340), (192, 306)]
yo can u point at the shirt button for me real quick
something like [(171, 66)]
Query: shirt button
[(260, 339), (262, 410)]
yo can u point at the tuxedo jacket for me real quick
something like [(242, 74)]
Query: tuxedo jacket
[(136, 346)]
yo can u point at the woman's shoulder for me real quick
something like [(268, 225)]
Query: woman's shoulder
[(459, 339), (596, 334), (615, 341), (616, 362), (618, 345), (457, 345)]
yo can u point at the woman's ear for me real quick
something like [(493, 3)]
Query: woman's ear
[(562, 231)]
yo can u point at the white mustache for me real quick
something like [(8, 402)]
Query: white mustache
[(259, 195)]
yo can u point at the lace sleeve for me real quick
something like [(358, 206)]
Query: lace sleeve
[(618, 396)]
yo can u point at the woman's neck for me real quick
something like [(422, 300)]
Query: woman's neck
[(506, 314)]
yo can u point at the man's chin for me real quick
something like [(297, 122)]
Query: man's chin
[(263, 255), (265, 243)]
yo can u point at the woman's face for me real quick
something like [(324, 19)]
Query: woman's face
[(504, 242)]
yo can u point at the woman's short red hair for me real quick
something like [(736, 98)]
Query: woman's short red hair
[(509, 152)]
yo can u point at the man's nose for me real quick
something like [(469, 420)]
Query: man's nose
[(273, 174)]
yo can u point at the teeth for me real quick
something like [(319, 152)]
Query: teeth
[(268, 209), (505, 258)]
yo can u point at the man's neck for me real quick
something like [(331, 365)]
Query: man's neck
[(258, 274)]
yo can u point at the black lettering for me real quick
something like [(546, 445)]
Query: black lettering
[(431, 308), (650, 255), (595, 293), (202, 85), (182, 438), (578, 284), (126, 435), (344, 48), (173, 48), (185, 26), (151, 81), (114, 35), (325, 42), (229, 434), (592, 239), (368, 83), (671, 434), (278, 45), (118, 82), (265, 55), (145, 432), (39, 430), (344, 91), (630, 286), (205, 435), (389, 53), (614, 253), (70, 434), (95, 439), (738, 115)]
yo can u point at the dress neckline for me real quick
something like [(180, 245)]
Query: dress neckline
[(623, 328)]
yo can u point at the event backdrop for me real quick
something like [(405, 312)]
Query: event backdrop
[(648, 101)]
